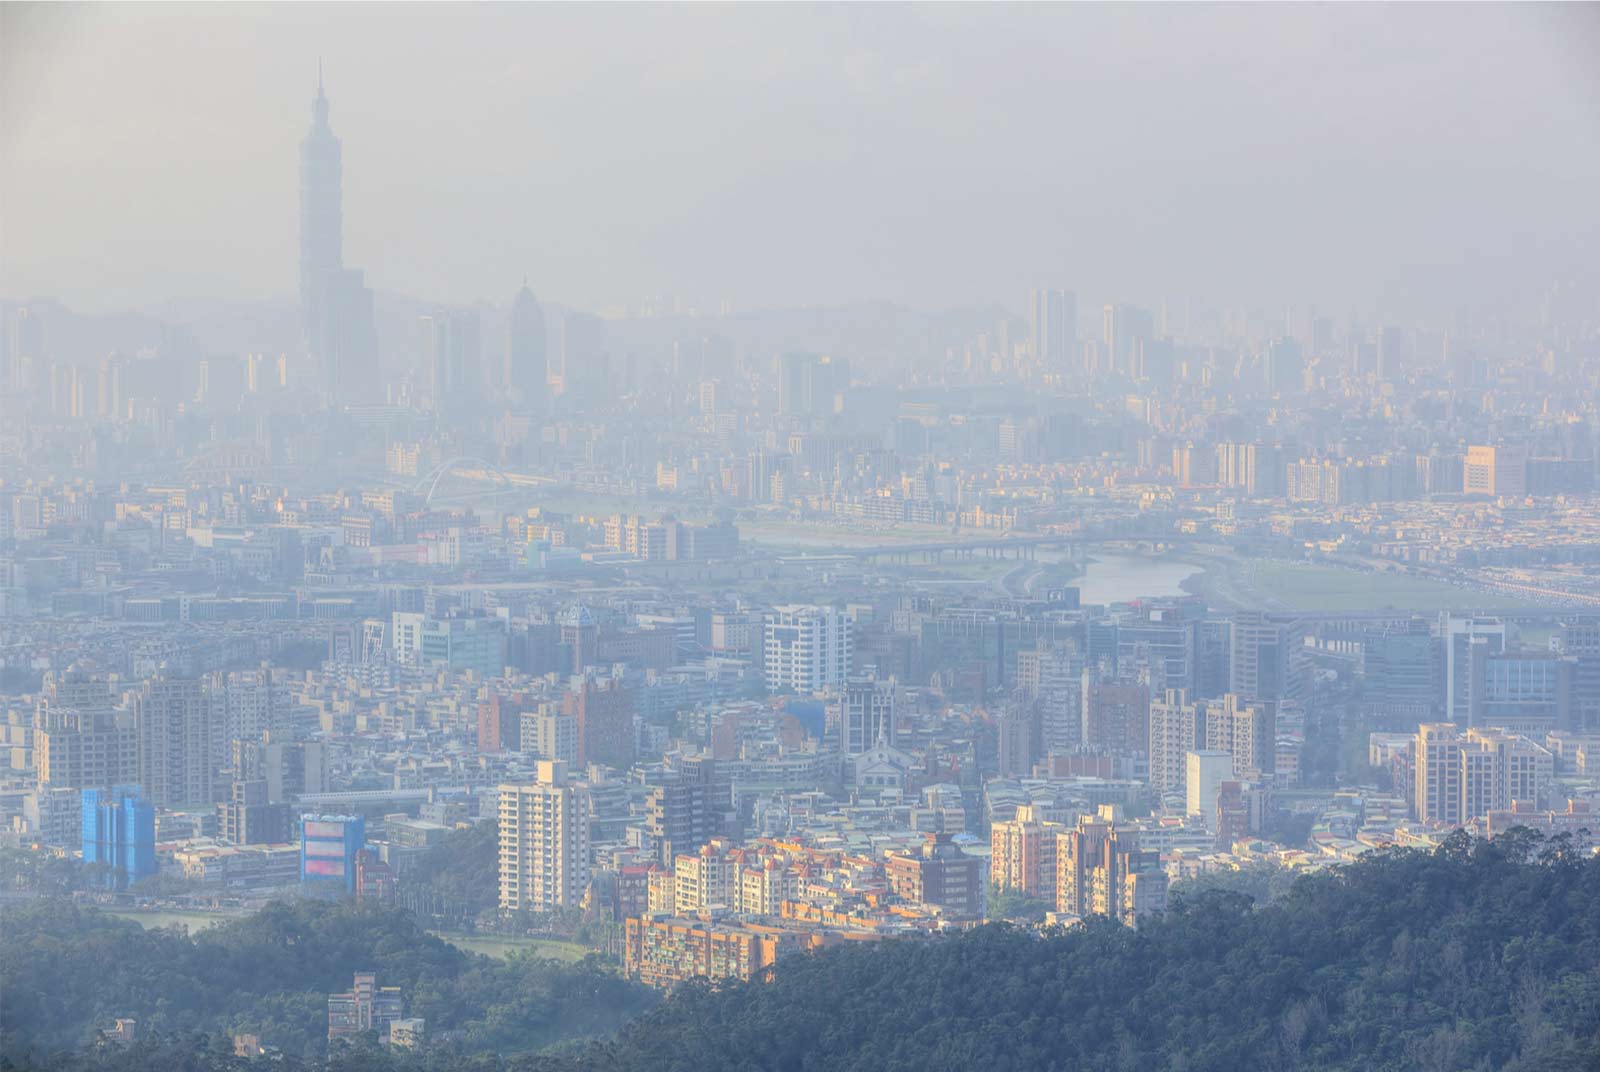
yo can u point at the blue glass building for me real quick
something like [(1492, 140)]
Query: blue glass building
[(328, 848), (119, 831)]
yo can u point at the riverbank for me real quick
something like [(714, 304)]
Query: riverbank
[(1229, 582)]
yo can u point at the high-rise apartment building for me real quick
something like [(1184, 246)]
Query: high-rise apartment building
[(1017, 733), (1177, 727), (806, 648), (1100, 870), (551, 734), (544, 841), (1121, 326), (79, 748), (1579, 639), (1022, 855), (173, 719), (1436, 766), (247, 818), (705, 879), (685, 813), (248, 704), (1462, 778), (1247, 731), (604, 712), (1116, 716)]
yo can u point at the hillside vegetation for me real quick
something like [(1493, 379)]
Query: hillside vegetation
[(67, 971), (1470, 957)]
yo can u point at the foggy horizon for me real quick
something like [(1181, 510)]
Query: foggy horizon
[(1396, 161)]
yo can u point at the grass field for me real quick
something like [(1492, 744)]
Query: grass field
[(194, 920), (488, 945), (1300, 587), (500, 948)]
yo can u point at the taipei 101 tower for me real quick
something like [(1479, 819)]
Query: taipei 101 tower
[(335, 305)]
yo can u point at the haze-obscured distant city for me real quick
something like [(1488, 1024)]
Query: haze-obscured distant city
[(728, 495)]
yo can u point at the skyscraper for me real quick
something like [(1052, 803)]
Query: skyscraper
[(1053, 320), (321, 213), (335, 304), (526, 369), (797, 374)]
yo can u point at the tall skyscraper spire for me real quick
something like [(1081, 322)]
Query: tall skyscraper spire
[(335, 305), (321, 209)]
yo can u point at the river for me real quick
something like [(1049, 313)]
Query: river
[(1110, 578)]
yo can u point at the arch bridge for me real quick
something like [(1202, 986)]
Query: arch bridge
[(465, 466)]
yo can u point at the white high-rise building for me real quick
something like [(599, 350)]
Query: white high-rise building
[(405, 636), (806, 648), (1177, 728), (1207, 770), (1459, 634), (544, 842)]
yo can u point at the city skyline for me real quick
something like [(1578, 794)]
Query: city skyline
[(521, 524)]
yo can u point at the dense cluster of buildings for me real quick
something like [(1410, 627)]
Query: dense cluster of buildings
[(748, 650)]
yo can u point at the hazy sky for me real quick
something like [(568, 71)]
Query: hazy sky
[(1377, 156)]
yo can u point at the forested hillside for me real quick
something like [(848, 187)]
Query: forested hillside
[(1465, 958), (1461, 959), (66, 972)]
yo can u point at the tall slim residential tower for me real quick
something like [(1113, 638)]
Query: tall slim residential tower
[(544, 842), (526, 369), (173, 718)]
